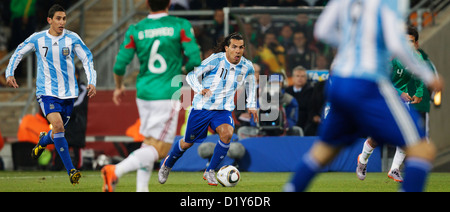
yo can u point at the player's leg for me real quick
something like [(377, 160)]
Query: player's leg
[(62, 147), (320, 154), (338, 129), (369, 146), (45, 138), (394, 171), (159, 129), (178, 149), (223, 124), (363, 158), (225, 132), (196, 131), (402, 127), (58, 113), (417, 165), (142, 158)]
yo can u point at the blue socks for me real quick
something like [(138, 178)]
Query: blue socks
[(62, 148), (174, 155), (416, 171), (46, 140), (220, 151), (305, 171)]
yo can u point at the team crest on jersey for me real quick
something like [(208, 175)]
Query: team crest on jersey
[(192, 137), (240, 77), (65, 51)]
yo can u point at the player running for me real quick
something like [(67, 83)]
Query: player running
[(363, 101), (219, 75), (56, 84), (159, 42), (401, 79)]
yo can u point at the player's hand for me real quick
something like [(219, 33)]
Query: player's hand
[(206, 92), (11, 82), (254, 112), (416, 100), (117, 95), (91, 90), (406, 97)]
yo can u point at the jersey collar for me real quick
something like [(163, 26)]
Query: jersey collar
[(55, 37), (156, 16)]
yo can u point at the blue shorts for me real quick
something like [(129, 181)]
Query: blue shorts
[(199, 121), (362, 108), (50, 104)]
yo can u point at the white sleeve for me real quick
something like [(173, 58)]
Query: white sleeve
[(327, 26), (86, 58), (194, 77), (15, 59), (250, 89)]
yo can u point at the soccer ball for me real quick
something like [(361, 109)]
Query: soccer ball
[(228, 176)]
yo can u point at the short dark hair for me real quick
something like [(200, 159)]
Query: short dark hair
[(226, 41), (55, 8), (158, 5), (411, 30)]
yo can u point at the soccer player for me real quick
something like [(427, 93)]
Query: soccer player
[(220, 75), (401, 79), (56, 84), (362, 99), (159, 41)]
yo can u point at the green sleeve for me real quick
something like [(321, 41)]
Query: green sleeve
[(419, 87), (126, 52), (190, 46)]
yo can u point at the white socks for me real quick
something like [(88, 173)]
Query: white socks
[(365, 154), (399, 156), (141, 160)]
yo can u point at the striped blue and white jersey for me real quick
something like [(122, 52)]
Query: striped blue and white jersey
[(222, 78), (55, 62), (368, 33)]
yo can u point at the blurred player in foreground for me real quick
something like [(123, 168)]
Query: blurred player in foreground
[(403, 81), (56, 85), (219, 75), (363, 101), (159, 41)]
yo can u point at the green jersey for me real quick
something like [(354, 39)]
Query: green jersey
[(424, 105), (159, 42), (401, 77)]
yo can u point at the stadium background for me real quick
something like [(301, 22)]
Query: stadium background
[(102, 23)]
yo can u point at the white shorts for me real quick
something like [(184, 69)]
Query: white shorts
[(159, 118)]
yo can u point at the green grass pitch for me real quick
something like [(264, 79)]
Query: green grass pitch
[(91, 181)]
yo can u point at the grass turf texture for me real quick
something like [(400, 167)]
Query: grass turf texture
[(91, 181)]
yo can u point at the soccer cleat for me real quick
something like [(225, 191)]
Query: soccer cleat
[(37, 151), (74, 176), (361, 170), (110, 179), (210, 176), (163, 174), (395, 175)]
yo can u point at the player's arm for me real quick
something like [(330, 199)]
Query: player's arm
[(190, 46), (326, 28), (250, 89), (15, 59), (86, 57), (193, 78), (123, 58)]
